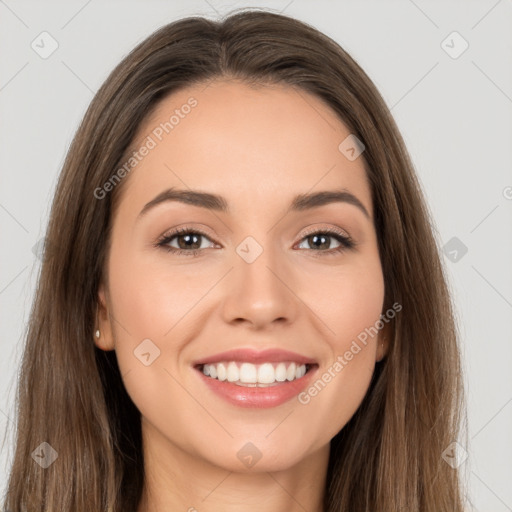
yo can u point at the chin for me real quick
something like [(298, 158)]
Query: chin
[(246, 456)]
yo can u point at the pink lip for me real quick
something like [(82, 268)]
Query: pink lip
[(255, 397), (256, 357)]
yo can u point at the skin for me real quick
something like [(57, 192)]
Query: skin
[(257, 147)]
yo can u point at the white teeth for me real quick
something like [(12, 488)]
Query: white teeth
[(232, 372), (266, 374), (281, 372), (221, 371), (290, 373), (249, 374)]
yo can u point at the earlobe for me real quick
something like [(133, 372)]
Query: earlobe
[(383, 344), (103, 336), (381, 350)]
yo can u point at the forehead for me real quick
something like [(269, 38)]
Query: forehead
[(249, 144)]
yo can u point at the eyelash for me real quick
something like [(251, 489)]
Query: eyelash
[(346, 242)]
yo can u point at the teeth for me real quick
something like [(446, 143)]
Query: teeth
[(232, 372), (266, 374), (281, 372), (291, 373), (221, 371), (248, 374)]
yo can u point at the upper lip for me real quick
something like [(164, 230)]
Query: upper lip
[(255, 356)]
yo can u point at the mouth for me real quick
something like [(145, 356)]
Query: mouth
[(249, 378), (267, 374)]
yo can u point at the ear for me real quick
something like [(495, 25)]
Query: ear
[(383, 342), (105, 341)]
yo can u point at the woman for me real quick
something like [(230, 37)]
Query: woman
[(244, 306)]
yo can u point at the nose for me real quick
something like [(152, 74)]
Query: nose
[(260, 293)]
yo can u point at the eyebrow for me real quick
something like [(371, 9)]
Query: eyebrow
[(218, 203)]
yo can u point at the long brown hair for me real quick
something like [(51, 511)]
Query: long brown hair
[(70, 394)]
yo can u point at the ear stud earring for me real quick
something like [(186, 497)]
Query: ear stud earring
[(97, 333)]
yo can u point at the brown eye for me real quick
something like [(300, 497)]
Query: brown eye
[(188, 241), (321, 241)]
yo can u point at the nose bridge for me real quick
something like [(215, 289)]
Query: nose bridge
[(259, 292)]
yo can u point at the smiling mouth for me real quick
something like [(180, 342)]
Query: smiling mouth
[(255, 375)]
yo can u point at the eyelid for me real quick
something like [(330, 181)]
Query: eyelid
[(180, 230), (330, 229), (309, 231), (186, 229)]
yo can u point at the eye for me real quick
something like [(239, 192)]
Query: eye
[(188, 240), (320, 239)]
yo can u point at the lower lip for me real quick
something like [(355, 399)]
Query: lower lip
[(270, 396)]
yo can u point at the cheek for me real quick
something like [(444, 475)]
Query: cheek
[(149, 309), (148, 298), (350, 303), (146, 305), (348, 300)]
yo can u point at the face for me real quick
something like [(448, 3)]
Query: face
[(284, 285)]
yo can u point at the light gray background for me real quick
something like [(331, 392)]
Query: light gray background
[(455, 115)]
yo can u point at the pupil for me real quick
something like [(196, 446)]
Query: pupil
[(316, 238), (188, 238)]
